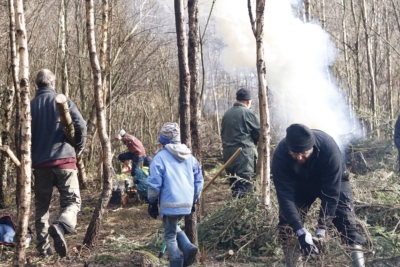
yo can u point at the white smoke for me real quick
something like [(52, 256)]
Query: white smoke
[(297, 56)]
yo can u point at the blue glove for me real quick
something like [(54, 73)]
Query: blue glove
[(307, 246), (153, 209)]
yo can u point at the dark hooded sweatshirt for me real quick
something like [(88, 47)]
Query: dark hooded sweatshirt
[(319, 177), (49, 142)]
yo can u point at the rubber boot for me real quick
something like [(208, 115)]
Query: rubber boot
[(292, 256), (176, 262), (357, 255), (189, 250), (56, 231)]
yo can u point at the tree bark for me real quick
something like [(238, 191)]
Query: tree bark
[(184, 75), (95, 223), (263, 165), (371, 71), (193, 58), (63, 36), (25, 175)]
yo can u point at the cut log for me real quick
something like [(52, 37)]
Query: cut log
[(225, 255)]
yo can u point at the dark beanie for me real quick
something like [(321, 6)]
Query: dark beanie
[(147, 161), (299, 138), (243, 94)]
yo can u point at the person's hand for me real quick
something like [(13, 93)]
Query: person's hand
[(193, 208), (117, 136), (153, 209), (307, 246)]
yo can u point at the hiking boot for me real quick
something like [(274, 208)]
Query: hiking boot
[(46, 253), (57, 233)]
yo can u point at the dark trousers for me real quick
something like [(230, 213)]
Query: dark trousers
[(242, 166), (136, 161), (344, 221)]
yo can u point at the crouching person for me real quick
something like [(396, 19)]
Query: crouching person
[(307, 165), (175, 182)]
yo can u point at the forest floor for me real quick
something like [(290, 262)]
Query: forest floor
[(130, 237)]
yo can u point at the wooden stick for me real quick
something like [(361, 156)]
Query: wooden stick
[(225, 255), (223, 168), (6, 149), (69, 131)]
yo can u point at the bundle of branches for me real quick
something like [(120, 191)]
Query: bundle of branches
[(244, 225)]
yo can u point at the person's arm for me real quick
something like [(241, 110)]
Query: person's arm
[(253, 122), (198, 180), (79, 127), (285, 189), (155, 179)]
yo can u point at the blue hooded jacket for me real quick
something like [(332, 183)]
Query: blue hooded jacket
[(175, 179)]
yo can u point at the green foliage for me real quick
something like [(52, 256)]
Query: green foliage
[(104, 259)]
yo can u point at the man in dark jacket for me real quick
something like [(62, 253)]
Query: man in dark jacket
[(240, 128), (307, 165), (136, 152), (54, 164)]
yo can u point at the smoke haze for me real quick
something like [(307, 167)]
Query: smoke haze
[(297, 56)]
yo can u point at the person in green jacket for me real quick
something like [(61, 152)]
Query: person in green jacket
[(141, 178), (240, 128)]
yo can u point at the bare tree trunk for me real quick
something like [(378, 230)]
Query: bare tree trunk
[(193, 58), (184, 75), (323, 20), (389, 68), (346, 60), (357, 59), (5, 134), (25, 175), (94, 226), (307, 11), (63, 35), (263, 165), (370, 66)]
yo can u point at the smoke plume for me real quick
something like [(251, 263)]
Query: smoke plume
[(297, 57)]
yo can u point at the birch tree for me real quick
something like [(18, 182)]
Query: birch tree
[(263, 165), (108, 171), (24, 177)]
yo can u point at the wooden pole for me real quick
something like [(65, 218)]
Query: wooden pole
[(69, 131), (223, 168)]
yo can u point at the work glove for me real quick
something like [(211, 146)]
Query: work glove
[(193, 208), (307, 246), (153, 209)]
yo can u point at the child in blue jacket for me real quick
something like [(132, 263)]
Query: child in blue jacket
[(175, 182)]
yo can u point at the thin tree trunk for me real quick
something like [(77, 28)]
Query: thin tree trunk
[(63, 35), (25, 174), (357, 59), (184, 75), (389, 69), (193, 62), (95, 223), (370, 67), (5, 134), (263, 165), (307, 11), (346, 60)]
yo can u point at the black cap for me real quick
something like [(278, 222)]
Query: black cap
[(243, 94), (299, 138)]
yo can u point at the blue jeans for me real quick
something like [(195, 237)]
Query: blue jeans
[(136, 161), (171, 227)]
